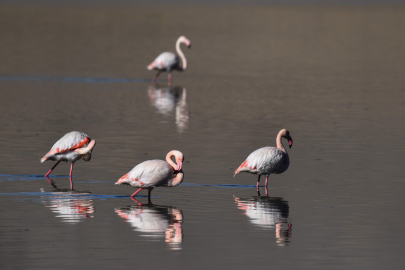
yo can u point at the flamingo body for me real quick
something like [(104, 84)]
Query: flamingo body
[(265, 161), (268, 160), (166, 61), (70, 148), (155, 173), (169, 61), (149, 174)]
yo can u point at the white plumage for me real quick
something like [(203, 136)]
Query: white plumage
[(268, 160)]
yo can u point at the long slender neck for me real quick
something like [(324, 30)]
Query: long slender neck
[(280, 144), (175, 181), (170, 161), (181, 54)]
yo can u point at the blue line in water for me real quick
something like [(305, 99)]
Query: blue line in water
[(83, 80), (10, 177), (68, 195), (222, 186)]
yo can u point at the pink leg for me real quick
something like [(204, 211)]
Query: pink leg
[(169, 78), (70, 176), (136, 192), (258, 182), (267, 194), (46, 175), (156, 76), (267, 178)]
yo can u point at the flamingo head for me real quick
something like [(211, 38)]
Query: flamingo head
[(185, 40), (286, 134), (178, 157), (179, 161)]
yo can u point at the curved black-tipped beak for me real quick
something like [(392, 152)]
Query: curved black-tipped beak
[(189, 46), (290, 142)]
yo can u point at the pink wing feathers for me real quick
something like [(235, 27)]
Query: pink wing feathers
[(70, 141)]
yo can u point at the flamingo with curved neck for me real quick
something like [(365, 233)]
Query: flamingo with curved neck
[(155, 173), (268, 160), (169, 61), (71, 147)]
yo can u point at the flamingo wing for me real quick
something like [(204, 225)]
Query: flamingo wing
[(150, 173), (264, 160), (69, 141), (165, 61)]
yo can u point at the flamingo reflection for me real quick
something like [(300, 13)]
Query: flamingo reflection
[(155, 221), (268, 213), (169, 99), (70, 206)]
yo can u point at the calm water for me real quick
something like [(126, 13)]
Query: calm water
[(333, 76)]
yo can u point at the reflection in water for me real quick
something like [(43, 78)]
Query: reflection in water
[(155, 221), (169, 99), (71, 206), (269, 213)]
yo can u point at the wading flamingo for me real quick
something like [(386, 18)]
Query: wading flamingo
[(70, 148), (155, 173), (267, 160), (169, 61)]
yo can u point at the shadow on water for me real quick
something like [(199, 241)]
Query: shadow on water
[(168, 100), (155, 221), (268, 213)]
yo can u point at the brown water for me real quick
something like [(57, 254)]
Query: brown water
[(334, 76)]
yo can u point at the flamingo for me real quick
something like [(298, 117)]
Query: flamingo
[(155, 173), (70, 148), (267, 160), (169, 61)]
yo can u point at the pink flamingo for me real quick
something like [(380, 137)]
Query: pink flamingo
[(70, 148), (155, 173), (169, 61), (267, 160)]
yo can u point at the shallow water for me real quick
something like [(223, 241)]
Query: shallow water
[(332, 75)]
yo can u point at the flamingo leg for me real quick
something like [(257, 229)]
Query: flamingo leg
[(70, 176), (258, 182), (267, 194), (46, 175), (136, 192), (267, 178), (156, 76), (149, 191), (169, 78)]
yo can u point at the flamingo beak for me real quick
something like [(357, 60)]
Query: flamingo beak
[(179, 165), (290, 142)]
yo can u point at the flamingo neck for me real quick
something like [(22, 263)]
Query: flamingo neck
[(170, 161), (280, 143), (176, 180), (181, 55)]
